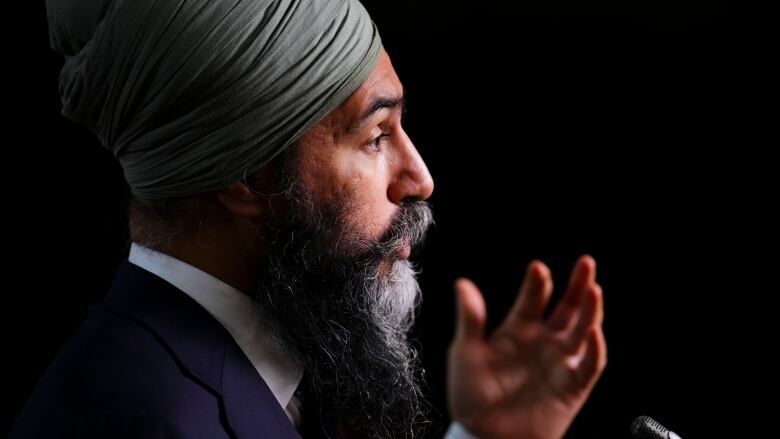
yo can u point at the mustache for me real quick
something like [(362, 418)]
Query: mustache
[(408, 227)]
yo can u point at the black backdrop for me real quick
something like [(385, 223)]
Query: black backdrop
[(551, 129)]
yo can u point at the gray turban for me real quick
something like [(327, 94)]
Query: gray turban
[(191, 95)]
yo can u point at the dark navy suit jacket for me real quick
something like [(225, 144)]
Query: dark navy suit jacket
[(150, 362)]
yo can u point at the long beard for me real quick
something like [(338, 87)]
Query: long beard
[(343, 305)]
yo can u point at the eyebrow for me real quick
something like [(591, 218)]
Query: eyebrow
[(377, 104)]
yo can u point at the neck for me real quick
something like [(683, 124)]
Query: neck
[(208, 237), (220, 260)]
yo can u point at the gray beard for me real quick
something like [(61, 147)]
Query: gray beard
[(343, 304)]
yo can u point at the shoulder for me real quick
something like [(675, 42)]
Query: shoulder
[(116, 424), (117, 378)]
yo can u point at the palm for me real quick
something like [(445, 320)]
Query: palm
[(532, 375)]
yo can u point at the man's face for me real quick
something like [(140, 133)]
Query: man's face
[(337, 288), (361, 153)]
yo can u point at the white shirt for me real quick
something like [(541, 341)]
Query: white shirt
[(236, 312)]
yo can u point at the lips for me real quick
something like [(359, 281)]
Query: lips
[(403, 251)]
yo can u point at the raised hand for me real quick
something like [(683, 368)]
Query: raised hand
[(532, 375)]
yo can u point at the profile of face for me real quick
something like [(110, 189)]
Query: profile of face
[(361, 152), (338, 288)]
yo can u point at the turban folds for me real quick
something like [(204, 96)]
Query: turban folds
[(191, 95)]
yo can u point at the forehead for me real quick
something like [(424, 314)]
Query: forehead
[(382, 82)]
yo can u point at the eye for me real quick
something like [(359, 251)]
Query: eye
[(376, 143)]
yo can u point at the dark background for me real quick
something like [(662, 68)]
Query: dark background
[(551, 130)]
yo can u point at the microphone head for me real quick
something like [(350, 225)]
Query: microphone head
[(645, 427)]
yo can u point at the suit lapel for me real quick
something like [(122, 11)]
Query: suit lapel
[(243, 392), (202, 347)]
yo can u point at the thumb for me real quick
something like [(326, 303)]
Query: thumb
[(471, 311)]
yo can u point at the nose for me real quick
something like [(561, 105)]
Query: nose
[(411, 181)]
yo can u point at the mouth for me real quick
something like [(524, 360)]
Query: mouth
[(403, 251)]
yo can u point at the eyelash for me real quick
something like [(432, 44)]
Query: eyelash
[(377, 141)]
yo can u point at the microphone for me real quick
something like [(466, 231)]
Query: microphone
[(645, 427)]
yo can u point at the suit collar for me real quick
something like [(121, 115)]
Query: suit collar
[(201, 346), (235, 311)]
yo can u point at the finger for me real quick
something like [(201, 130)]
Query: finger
[(590, 314), (534, 293), (595, 359), (471, 311), (584, 274)]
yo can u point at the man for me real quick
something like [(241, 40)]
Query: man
[(276, 201)]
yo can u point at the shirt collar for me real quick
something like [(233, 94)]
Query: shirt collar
[(235, 311)]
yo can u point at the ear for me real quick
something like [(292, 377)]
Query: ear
[(241, 201)]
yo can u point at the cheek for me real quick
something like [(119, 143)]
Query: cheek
[(358, 182), (365, 186)]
